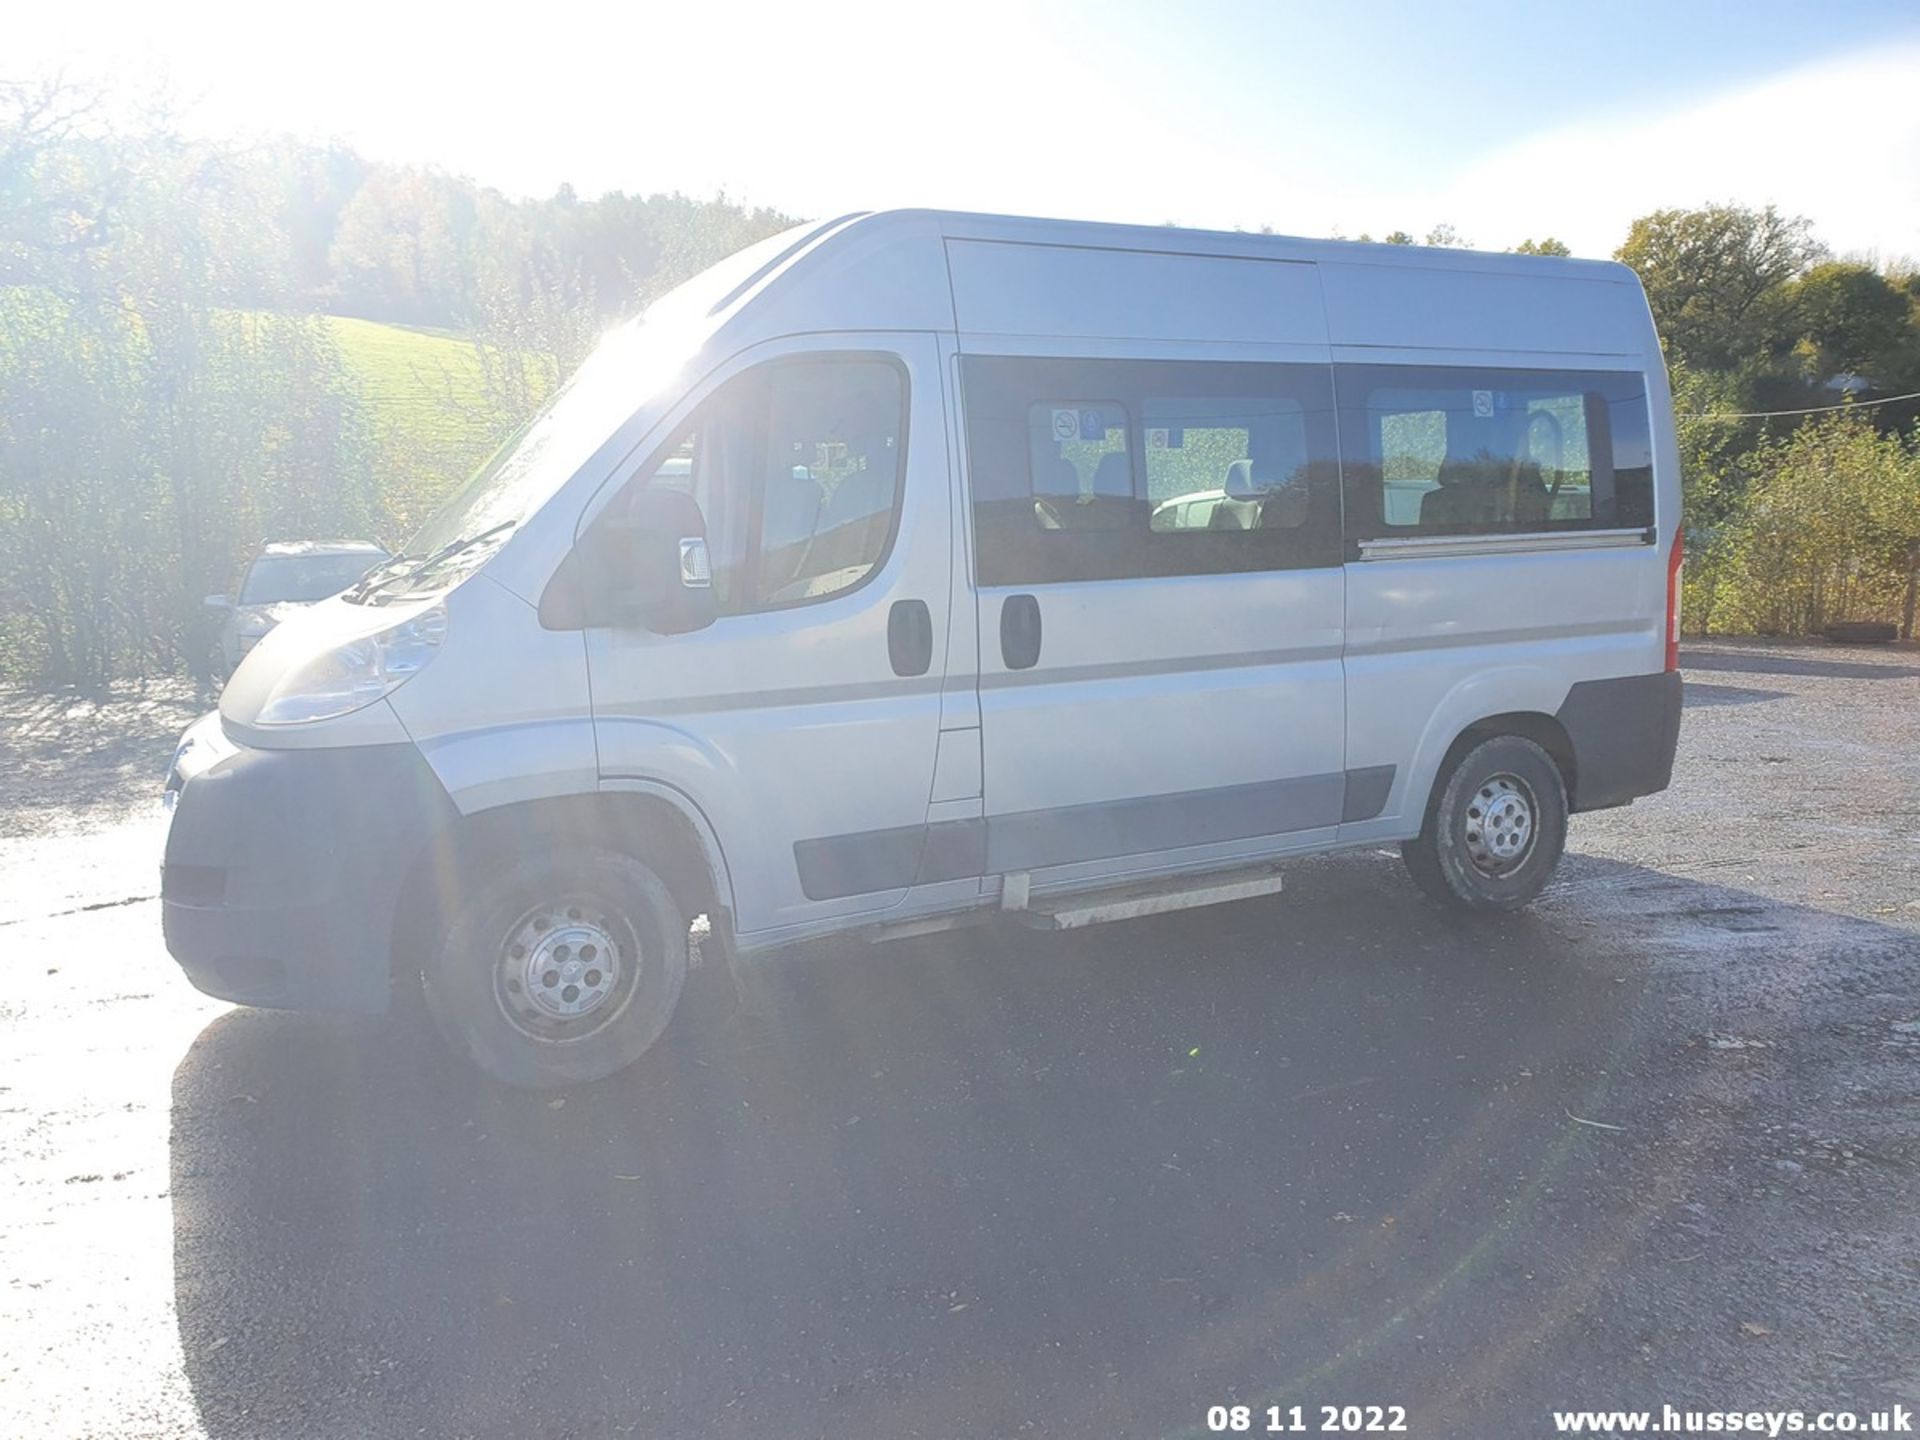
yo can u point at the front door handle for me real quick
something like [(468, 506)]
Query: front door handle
[(910, 637), (1020, 632)]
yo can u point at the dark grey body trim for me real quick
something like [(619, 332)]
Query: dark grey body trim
[(1624, 732), (859, 864), (1366, 793), (283, 871), (836, 866), (1035, 839)]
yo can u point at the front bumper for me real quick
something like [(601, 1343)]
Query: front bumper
[(284, 869)]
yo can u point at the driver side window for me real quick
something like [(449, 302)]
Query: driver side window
[(796, 467)]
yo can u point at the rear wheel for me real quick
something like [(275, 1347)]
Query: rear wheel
[(1494, 829), (562, 970)]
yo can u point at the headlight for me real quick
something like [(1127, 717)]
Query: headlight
[(358, 673)]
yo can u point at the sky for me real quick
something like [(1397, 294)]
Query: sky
[(1504, 120)]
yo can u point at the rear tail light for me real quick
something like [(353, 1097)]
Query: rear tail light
[(1676, 561)]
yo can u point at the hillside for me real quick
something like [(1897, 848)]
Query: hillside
[(425, 386), (433, 419)]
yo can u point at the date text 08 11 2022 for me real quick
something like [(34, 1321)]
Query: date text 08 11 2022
[(1309, 1419)]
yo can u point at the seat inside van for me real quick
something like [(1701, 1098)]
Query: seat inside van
[(1484, 479), (1105, 505)]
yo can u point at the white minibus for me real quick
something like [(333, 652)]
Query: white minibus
[(916, 567)]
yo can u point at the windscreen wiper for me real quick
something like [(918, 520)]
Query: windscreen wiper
[(376, 577), (425, 563)]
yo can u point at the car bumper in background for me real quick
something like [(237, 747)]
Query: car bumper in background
[(284, 868)]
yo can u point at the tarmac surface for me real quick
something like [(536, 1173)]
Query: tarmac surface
[(1654, 1141)]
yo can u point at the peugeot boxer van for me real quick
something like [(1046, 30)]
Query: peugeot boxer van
[(912, 567)]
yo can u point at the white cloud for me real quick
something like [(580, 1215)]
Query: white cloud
[(823, 108), (1837, 141)]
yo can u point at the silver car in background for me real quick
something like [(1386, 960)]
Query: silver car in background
[(282, 578)]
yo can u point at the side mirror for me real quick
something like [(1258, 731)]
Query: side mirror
[(672, 578), (646, 566), (217, 603)]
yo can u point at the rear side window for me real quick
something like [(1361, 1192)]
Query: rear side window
[(1111, 469), (1464, 451)]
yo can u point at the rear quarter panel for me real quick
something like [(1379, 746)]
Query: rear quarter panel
[(1434, 645), (1438, 643)]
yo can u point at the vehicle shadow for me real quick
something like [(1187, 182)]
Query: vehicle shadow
[(983, 1183), (1783, 661), (1705, 694)]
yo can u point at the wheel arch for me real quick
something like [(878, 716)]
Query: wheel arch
[(651, 822), (1521, 700), (1542, 729)]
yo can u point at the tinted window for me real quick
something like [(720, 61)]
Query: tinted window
[(832, 478), (796, 468), (1081, 465), (1103, 469), (1458, 451), (1226, 464)]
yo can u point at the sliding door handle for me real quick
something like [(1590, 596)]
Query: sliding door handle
[(1020, 632)]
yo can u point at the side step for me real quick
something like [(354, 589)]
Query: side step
[(1148, 897)]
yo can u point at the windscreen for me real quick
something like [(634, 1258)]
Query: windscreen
[(630, 365)]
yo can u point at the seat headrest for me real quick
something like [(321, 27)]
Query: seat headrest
[(1231, 514), (1055, 475), (1113, 476), (1239, 481)]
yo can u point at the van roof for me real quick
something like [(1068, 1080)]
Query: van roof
[(1097, 234), (1009, 275)]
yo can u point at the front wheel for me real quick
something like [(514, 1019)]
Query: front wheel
[(1494, 830), (562, 970)]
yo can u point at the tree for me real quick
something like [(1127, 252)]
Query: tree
[(1831, 530), (401, 251), (1852, 320), (1716, 279), (1548, 246), (58, 198)]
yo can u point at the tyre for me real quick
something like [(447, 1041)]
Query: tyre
[(561, 970), (1494, 829)]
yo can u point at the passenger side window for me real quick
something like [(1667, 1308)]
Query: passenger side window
[(1226, 465), (1468, 451), (1081, 465), (796, 467), (1413, 447), (1110, 469)]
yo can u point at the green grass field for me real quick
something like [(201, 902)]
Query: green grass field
[(426, 384), (431, 412)]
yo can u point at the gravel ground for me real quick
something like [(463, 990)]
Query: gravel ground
[(1655, 1141)]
